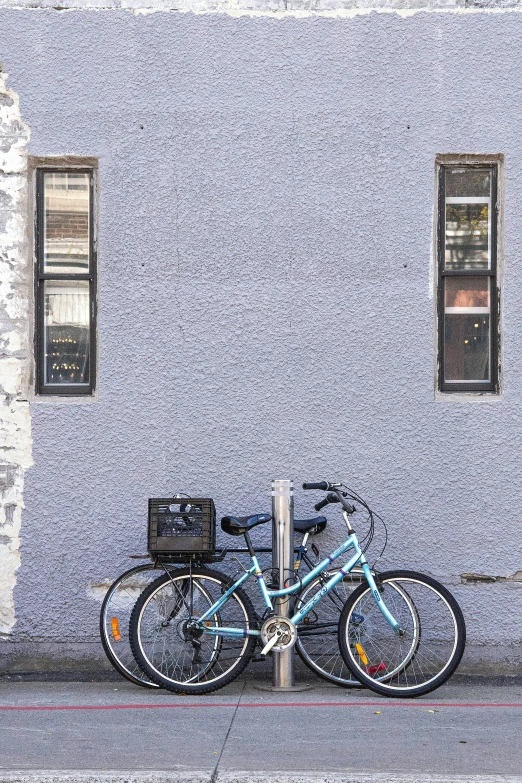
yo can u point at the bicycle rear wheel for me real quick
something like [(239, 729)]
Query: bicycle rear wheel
[(114, 621), (318, 637), (164, 646), (419, 660)]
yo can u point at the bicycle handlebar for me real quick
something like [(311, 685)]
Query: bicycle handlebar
[(322, 503), (337, 496)]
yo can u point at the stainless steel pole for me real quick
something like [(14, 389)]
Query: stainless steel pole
[(283, 563)]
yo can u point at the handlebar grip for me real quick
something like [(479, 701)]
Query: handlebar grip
[(316, 485), (322, 503)]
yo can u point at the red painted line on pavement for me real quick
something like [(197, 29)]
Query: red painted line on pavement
[(65, 707)]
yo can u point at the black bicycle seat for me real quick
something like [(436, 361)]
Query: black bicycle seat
[(312, 526), (236, 526)]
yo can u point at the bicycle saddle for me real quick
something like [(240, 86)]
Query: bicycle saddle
[(236, 526), (312, 526)]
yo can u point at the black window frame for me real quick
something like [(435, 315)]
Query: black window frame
[(63, 390), (469, 387)]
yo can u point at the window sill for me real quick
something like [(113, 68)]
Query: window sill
[(477, 396), (67, 399)]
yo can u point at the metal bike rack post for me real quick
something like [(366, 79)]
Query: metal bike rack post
[(283, 563)]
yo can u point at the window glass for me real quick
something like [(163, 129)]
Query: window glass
[(65, 338), (467, 348), (466, 294), (66, 222), (468, 305), (468, 182), (66, 332), (467, 218), (467, 236), (467, 329)]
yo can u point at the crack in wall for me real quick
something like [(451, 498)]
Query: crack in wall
[(15, 276), (473, 578)]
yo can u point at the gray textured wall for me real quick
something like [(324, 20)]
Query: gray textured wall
[(265, 308)]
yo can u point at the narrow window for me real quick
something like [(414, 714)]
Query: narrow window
[(65, 282), (467, 290)]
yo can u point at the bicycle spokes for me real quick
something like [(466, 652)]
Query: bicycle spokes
[(174, 647), (424, 653)]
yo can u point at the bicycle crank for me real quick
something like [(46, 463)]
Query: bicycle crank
[(278, 634)]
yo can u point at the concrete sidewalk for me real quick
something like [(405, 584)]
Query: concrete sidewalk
[(117, 732)]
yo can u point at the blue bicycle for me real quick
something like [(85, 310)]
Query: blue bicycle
[(401, 633)]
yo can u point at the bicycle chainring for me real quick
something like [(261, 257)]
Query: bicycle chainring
[(281, 626)]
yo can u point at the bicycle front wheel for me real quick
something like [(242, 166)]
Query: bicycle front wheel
[(318, 638), (164, 646), (423, 656)]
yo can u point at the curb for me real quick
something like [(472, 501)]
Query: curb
[(196, 776)]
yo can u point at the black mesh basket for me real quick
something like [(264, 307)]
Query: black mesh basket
[(182, 526)]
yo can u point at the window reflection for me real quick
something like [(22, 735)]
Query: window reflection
[(66, 222), (66, 331), (468, 182), (466, 329), (468, 208), (467, 236), (467, 292), (466, 350)]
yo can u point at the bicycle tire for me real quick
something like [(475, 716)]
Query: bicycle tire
[(157, 631), (437, 635), (117, 650)]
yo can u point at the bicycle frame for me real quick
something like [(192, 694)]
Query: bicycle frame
[(351, 542)]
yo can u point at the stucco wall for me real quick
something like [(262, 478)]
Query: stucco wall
[(265, 310)]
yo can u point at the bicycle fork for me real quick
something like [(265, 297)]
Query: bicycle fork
[(358, 558), (378, 599)]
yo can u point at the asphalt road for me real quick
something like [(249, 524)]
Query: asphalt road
[(460, 730)]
